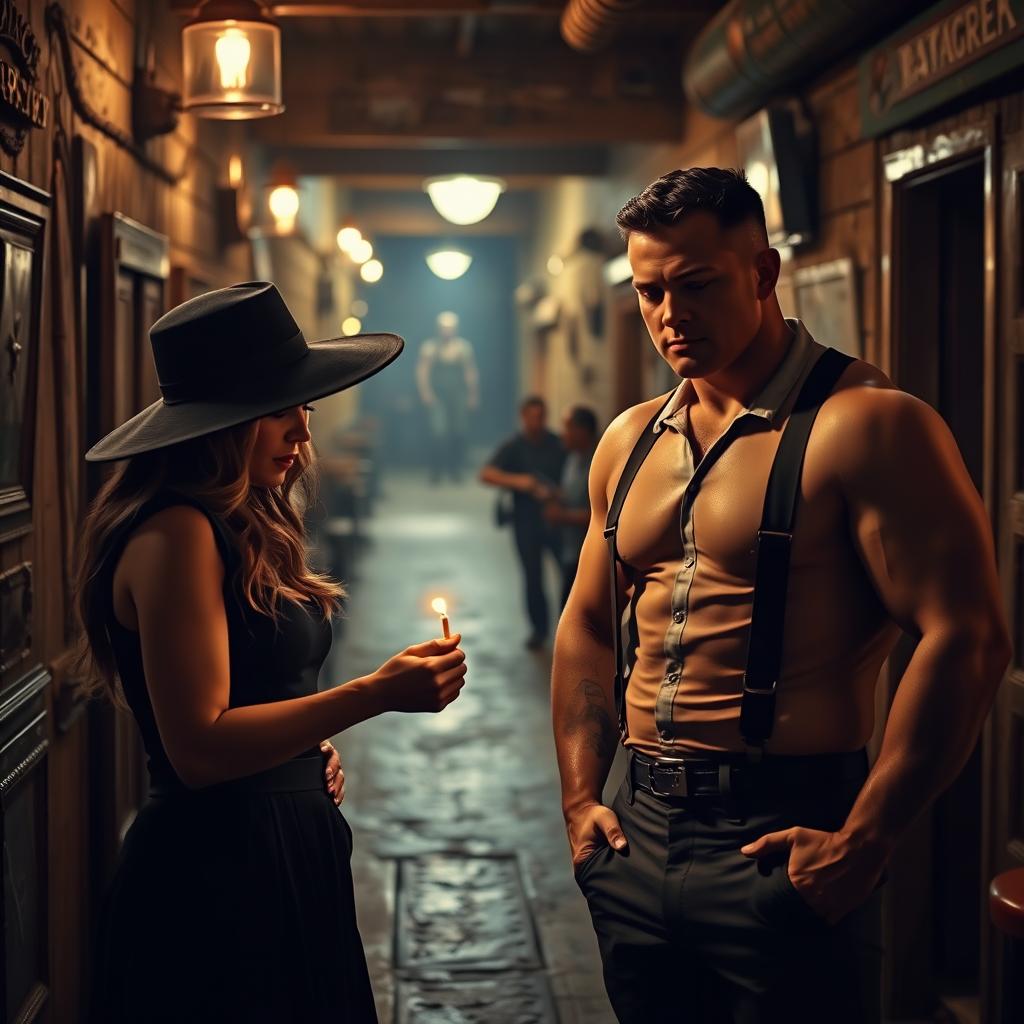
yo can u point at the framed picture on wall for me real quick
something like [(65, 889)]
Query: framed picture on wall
[(825, 297), (23, 217)]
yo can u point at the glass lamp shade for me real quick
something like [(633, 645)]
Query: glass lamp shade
[(449, 264), (463, 198), (232, 66)]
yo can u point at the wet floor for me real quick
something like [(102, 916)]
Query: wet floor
[(467, 905)]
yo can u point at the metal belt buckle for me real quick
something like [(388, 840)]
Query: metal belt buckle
[(680, 771)]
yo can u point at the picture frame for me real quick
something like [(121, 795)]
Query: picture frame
[(24, 212)]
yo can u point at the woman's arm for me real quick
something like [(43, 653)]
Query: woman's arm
[(174, 574)]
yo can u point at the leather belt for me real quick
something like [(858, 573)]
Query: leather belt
[(301, 774), (735, 775)]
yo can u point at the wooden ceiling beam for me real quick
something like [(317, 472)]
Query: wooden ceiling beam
[(495, 94), (406, 167), (454, 8), (396, 8)]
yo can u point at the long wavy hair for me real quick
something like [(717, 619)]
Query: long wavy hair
[(267, 523)]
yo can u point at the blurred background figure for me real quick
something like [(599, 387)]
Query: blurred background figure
[(569, 511), (448, 384), (530, 466)]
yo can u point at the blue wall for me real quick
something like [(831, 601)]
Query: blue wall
[(406, 301)]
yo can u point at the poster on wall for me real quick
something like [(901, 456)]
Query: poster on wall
[(825, 299)]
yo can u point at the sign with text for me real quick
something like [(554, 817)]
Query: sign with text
[(22, 105), (951, 48)]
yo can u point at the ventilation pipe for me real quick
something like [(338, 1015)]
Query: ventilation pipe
[(589, 25), (753, 49)]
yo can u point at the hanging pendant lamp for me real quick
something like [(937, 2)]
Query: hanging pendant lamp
[(232, 62)]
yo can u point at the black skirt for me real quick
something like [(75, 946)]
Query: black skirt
[(233, 906)]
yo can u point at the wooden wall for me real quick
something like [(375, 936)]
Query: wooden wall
[(108, 36)]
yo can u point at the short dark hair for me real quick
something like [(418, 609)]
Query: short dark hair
[(530, 401), (585, 418), (726, 193)]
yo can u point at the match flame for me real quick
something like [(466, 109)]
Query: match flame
[(440, 605)]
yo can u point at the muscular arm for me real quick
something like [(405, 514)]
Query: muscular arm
[(583, 672), (923, 535)]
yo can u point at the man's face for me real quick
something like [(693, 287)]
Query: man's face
[(701, 289), (574, 437), (534, 420)]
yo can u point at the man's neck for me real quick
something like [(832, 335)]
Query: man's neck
[(725, 393)]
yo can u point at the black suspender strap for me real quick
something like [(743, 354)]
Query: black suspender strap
[(645, 442), (774, 541)]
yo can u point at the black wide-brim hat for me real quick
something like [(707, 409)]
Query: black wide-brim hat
[(231, 356)]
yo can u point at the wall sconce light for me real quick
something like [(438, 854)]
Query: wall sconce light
[(464, 198), (348, 237), (155, 110), (360, 252), (283, 200), (232, 61)]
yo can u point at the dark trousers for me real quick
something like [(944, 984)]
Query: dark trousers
[(690, 930), (532, 541)]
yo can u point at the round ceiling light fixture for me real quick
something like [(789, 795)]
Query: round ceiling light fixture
[(464, 198), (449, 264), (231, 56)]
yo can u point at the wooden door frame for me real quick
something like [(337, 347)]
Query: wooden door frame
[(1007, 835), (909, 159), (124, 245)]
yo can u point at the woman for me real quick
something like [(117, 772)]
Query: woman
[(233, 898)]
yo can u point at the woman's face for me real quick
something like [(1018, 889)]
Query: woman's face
[(278, 439)]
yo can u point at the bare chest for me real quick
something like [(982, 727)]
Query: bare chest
[(716, 510)]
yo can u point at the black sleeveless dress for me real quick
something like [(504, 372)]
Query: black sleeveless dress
[(234, 902)]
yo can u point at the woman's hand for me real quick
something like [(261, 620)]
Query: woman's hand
[(334, 775), (424, 677)]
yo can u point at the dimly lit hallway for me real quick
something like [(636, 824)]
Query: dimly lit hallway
[(478, 781)]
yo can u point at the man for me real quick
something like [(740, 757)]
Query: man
[(569, 511), (530, 465), (448, 383), (734, 877)]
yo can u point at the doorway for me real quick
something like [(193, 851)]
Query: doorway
[(939, 356)]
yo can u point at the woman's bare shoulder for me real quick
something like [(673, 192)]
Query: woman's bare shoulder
[(176, 539)]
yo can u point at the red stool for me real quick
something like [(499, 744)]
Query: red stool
[(1006, 908)]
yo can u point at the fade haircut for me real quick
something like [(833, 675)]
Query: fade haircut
[(725, 193)]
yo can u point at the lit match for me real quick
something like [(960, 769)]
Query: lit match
[(441, 607)]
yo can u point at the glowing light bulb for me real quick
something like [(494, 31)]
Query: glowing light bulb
[(235, 171), (371, 271), (361, 251), (284, 202), (348, 237), (233, 51), (351, 325), (360, 308)]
